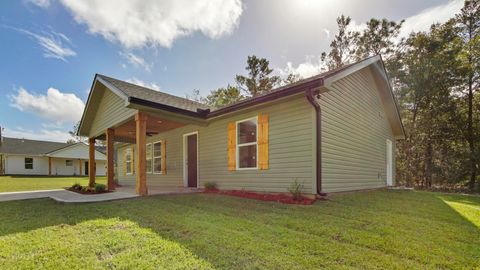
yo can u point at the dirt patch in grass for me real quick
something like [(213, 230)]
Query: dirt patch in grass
[(281, 198)]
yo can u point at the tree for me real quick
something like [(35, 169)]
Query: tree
[(343, 46), (223, 96), (291, 78), (73, 133), (195, 95), (378, 38), (468, 22), (428, 109), (259, 79)]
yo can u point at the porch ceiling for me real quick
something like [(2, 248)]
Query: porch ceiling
[(126, 132)]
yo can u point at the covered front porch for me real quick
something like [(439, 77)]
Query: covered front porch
[(126, 115), (134, 132)]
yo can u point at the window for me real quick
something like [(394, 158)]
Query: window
[(29, 163), (149, 157), (128, 161), (247, 144), (157, 157), (68, 163)]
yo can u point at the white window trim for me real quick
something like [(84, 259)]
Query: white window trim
[(153, 157), (237, 160), (25, 163), (128, 150)]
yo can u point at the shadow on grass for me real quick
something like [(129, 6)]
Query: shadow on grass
[(239, 233)]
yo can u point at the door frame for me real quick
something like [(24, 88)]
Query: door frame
[(185, 159), (389, 163)]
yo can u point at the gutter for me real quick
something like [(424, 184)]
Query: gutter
[(310, 95)]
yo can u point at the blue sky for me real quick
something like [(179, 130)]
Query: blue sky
[(51, 49)]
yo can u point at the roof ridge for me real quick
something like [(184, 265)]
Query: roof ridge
[(12, 138), (153, 90)]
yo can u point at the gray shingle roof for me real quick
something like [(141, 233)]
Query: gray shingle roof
[(28, 147), (140, 92)]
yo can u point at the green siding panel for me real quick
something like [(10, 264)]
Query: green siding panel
[(111, 110), (354, 133)]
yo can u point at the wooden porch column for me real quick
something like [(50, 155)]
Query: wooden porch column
[(91, 162), (110, 183), (49, 165), (80, 167), (141, 130)]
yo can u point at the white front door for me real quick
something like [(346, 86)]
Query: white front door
[(389, 163)]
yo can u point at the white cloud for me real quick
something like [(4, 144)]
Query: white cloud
[(327, 32), (150, 85), (140, 23), (136, 61), (40, 3), (438, 14), (55, 106), (42, 134), (311, 67), (422, 20), (53, 43)]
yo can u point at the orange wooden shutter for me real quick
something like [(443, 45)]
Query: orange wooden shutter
[(125, 161), (263, 141), (232, 143), (164, 156)]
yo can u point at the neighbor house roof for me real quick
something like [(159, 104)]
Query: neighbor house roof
[(45, 148), (28, 147), (142, 96)]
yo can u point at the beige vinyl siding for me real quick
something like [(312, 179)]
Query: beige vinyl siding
[(124, 179), (291, 151), (111, 110), (354, 134)]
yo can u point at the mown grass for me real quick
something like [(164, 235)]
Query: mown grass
[(369, 230), (25, 183)]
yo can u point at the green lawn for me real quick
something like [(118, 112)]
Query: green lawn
[(24, 183), (369, 230)]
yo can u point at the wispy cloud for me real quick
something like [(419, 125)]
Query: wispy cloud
[(150, 85), (422, 20), (136, 61), (55, 106), (54, 44), (438, 14), (40, 3), (327, 32), (42, 134)]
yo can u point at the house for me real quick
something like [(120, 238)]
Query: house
[(31, 157), (332, 132)]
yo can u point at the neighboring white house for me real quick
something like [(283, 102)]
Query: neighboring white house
[(31, 157)]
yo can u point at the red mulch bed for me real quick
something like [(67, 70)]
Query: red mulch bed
[(282, 198), (88, 192)]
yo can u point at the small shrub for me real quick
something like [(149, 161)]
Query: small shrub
[(210, 186), (100, 187), (86, 189), (77, 186), (296, 190)]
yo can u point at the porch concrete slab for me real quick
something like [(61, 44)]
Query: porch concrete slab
[(65, 196)]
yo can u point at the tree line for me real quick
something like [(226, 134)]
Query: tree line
[(435, 76)]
